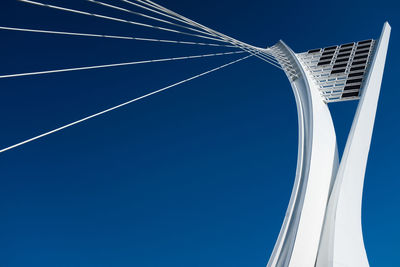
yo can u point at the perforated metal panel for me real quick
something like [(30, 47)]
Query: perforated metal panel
[(339, 71)]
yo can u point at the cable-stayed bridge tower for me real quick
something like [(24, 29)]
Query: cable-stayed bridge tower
[(322, 225)]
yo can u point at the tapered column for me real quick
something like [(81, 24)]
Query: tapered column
[(342, 242), (299, 238)]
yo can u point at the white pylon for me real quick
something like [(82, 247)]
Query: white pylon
[(322, 225)]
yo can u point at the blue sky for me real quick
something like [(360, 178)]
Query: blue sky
[(199, 175)]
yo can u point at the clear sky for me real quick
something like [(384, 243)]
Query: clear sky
[(199, 175)]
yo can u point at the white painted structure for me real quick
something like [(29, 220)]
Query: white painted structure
[(322, 225)]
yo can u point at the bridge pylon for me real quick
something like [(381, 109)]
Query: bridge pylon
[(322, 225)]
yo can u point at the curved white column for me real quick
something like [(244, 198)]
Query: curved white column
[(322, 225), (299, 238)]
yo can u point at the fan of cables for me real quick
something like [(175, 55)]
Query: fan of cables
[(172, 22)]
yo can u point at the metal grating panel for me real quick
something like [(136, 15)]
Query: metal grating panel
[(339, 70)]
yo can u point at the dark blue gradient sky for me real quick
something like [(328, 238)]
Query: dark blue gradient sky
[(199, 175)]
